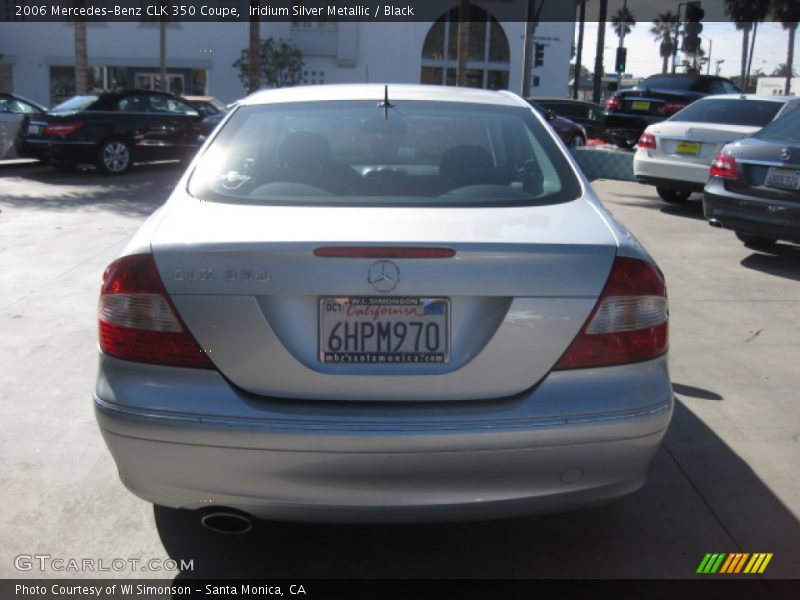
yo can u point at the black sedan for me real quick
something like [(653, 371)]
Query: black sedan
[(112, 131), (754, 187), (629, 112), (586, 114), (13, 109)]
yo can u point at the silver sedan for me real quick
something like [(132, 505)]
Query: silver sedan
[(382, 303)]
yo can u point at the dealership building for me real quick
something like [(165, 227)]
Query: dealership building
[(37, 58)]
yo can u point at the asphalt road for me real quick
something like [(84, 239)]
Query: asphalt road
[(725, 479)]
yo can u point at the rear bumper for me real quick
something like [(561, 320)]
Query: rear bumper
[(330, 461), (64, 152), (669, 174), (628, 126), (769, 218)]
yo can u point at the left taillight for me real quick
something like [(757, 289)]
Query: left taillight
[(62, 128), (647, 141), (670, 108), (137, 320), (724, 165)]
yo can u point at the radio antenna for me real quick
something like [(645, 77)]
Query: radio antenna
[(385, 105)]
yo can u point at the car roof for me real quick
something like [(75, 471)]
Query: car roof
[(781, 99), (199, 98), (557, 99), (396, 91), (24, 99)]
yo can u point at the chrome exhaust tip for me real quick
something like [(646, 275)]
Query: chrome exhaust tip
[(232, 523)]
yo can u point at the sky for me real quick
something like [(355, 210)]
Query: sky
[(726, 44)]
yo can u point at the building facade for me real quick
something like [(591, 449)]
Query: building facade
[(37, 59)]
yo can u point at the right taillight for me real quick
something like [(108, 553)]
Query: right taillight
[(62, 128), (137, 320), (647, 141), (614, 103), (629, 323), (724, 165)]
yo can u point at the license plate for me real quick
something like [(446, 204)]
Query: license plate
[(783, 178), (34, 129), (640, 105), (384, 330), (691, 148)]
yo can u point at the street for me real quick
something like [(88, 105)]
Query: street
[(725, 479)]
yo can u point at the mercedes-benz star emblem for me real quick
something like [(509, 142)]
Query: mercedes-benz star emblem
[(383, 275), (786, 154)]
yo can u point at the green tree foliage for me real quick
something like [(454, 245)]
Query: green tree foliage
[(281, 64)]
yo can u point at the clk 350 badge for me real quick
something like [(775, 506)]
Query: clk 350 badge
[(228, 275)]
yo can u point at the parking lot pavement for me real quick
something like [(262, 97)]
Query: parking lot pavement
[(724, 481)]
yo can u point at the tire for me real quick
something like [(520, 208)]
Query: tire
[(756, 242), (577, 142), (114, 157), (672, 196)]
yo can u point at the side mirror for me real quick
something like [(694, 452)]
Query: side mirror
[(551, 115)]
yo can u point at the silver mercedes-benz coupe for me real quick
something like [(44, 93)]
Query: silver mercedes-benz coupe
[(383, 303)]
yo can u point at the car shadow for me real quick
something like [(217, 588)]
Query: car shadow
[(781, 261), (701, 497), (694, 392), (139, 191)]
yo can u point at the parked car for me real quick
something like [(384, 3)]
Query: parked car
[(13, 109), (675, 155), (586, 114), (207, 105), (628, 112), (754, 186), (570, 132), (369, 303), (112, 131)]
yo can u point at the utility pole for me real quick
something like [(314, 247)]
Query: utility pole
[(526, 52), (579, 51), (677, 32), (622, 42)]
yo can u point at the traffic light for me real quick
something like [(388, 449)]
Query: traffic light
[(693, 27), (622, 56), (538, 55)]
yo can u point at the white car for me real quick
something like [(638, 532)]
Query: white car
[(675, 155)]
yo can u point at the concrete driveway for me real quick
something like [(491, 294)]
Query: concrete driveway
[(724, 481)]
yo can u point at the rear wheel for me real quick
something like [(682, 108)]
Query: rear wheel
[(672, 196), (114, 157), (577, 142), (756, 242)]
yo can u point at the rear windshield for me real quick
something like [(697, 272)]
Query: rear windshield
[(786, 128), (754, 113), (76, 103), (357, 153), (687, 84)]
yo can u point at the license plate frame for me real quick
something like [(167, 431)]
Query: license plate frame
[(792, 176), (688, 148), (424, 318), (641, 105), (34, 129)]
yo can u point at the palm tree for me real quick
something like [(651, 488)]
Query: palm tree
[(788, 13), (744, 13), (579, 49), (782, 70), (622, 22), (664, 27), (599, 69), (81, 54), (254, 55)]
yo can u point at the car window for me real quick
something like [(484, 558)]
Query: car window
[(420, 153), (787, 128), (716, 87), (15, 106), (669, 83), (136, 103), (730, 88), (754, 113), (165, 104)]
